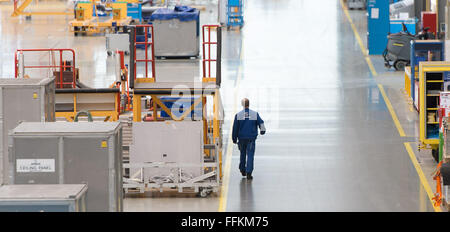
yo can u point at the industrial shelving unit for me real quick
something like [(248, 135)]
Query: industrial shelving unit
[(422, 50), (432, 81)]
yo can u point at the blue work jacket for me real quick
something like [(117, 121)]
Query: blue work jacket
[(245, 125)]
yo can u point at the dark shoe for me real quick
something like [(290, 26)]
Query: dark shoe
[(243, 173), (249, 176)]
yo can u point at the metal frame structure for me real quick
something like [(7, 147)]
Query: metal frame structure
[(79, 98), (19, 10), (91, 24), (205, 184), (89, 97), (201, 92), (422, 46), (212, 129), (59, 82), (206, 47), (429, 67), (148, 42)]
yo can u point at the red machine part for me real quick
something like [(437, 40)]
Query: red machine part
[(63, 66), (148, 42), (429, 19), (206, 46)]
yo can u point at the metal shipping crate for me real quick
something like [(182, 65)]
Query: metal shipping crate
[(43, 198), (117, 41), (176, 38), (167, 142), (176, 33), (31, 100), (71, 153)]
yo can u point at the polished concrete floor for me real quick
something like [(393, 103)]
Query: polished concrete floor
[(331, 144)]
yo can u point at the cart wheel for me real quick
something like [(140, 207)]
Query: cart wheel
[(127, 53), (109, 53), (204, 192), (28, 17), (400, 65), (83, 33)]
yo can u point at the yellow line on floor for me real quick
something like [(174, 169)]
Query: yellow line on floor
[(392, 111), (422, 177), (400, 130), (358, 38), (226, 177)]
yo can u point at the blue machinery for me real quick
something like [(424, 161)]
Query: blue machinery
[(235, 13), (421, 50), (135, 11), (377, 26)]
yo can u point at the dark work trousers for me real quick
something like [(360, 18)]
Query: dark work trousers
[(247, 148)]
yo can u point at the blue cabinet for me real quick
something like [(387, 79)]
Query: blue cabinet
[(377, 26)]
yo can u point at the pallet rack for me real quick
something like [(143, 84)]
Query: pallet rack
[(432, 76)]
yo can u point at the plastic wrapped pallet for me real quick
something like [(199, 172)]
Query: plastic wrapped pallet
[(43, 198), (31, 100), (71, 153)]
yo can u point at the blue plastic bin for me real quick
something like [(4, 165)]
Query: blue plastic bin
[(181, 103)]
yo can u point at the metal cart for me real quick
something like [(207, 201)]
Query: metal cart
[(433, 77)]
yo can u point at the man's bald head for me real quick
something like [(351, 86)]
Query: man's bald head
[(245, 103)]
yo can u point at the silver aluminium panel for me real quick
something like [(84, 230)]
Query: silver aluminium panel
[(43, 198), (176, 38), (71, 153), (31, 100), (167, 142)]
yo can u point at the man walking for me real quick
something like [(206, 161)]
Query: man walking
[(245, 129)]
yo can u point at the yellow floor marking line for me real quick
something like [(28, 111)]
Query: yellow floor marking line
[(358, 38), (422, 177), (416, 164), (229, 154), (391, 111)]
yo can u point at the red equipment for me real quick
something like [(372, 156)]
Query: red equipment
[(206, 45), (60, 69), (149, 41), (429, 19)]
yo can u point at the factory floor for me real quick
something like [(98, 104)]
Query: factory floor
[(331, 142)]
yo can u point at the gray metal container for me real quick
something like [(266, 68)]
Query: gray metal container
[(176, 38), (71, 153), (117, 41), (31, 100), (148, 146), (43, 198)]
